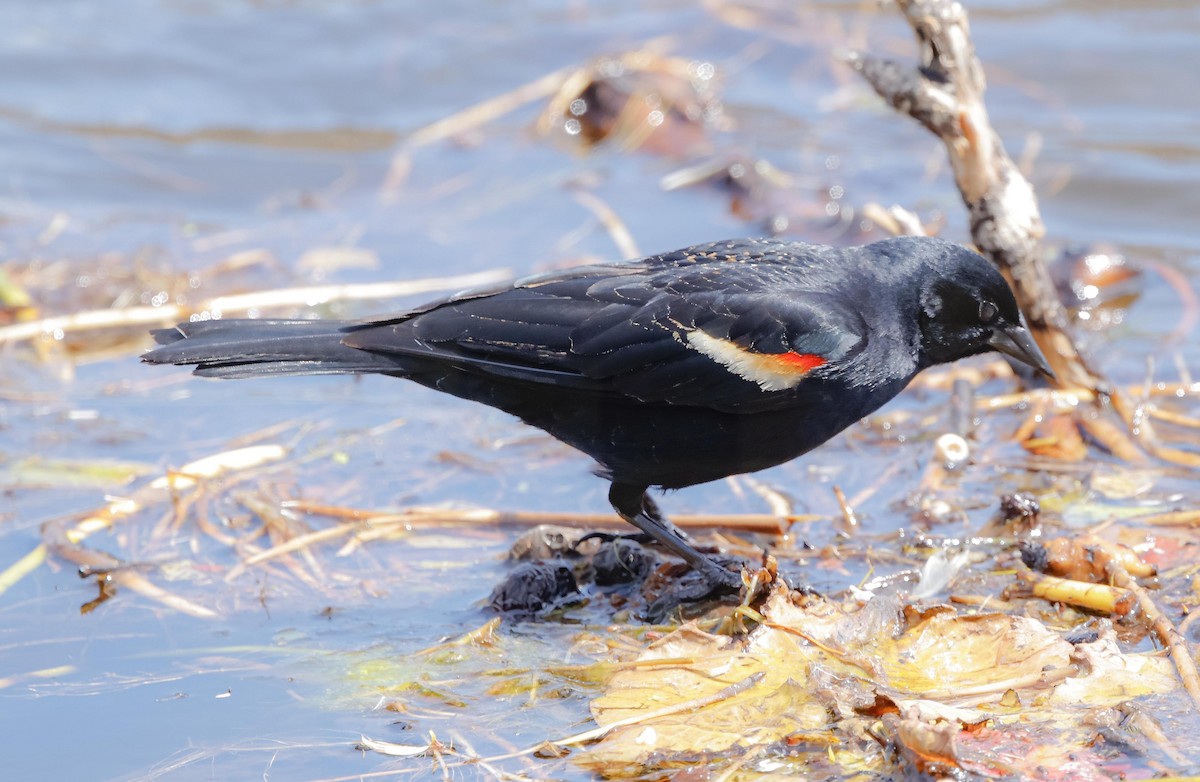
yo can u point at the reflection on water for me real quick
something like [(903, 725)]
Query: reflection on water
[(194, 135)]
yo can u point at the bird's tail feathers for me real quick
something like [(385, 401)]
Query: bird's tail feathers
[(240, 348)]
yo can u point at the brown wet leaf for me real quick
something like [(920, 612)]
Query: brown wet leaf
[(931, 745), (1057, 437), (1110, 676), (776, 705), (944, 655), (832, 670), (1076, 558), (1097, 284), (640, 100)]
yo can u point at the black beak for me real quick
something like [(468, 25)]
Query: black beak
[(1016, 341)]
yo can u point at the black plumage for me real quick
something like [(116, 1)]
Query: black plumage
[(671, 370)]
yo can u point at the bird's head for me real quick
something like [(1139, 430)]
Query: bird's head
[(967, 308)]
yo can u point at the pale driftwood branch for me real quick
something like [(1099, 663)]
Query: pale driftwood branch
[(945, 93)]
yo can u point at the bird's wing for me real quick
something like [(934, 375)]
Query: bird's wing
[(730, 336)]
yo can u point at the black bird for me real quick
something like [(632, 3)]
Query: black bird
[(671, 370)]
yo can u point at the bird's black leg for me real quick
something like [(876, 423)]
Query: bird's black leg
[(639, 510), (651, 509)]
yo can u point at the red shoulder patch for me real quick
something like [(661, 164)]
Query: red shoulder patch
[(799, 362), (771, 371)]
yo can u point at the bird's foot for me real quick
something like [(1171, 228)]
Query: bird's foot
[(694, 586), (723, 574), (753, 582), (670, 589)]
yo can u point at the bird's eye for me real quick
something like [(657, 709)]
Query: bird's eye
[(988, 313)]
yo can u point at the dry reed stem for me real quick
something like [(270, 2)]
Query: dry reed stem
[(64, 539), (138, 583), (366, 525), (419, 518), (1181, 518), (220, 306), (466, 120), (612, 223), (849, 520), (1167, 634), (488, 110), (30, 562)]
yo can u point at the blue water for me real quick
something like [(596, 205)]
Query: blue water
[(185, 132)]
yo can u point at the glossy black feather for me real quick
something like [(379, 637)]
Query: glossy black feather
[(611, 358)]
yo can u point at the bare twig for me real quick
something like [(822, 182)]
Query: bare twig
[(945, 93)]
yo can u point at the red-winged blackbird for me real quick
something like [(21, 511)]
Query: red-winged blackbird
[(671, 370)]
